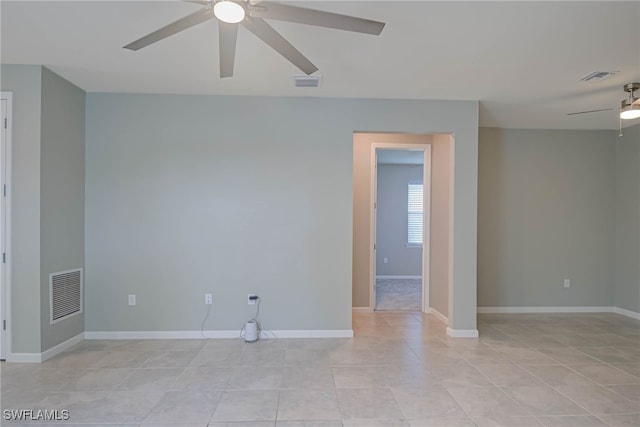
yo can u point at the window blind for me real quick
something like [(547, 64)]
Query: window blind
[(415, 213)]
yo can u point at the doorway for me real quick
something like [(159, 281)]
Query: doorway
[(400, 209)]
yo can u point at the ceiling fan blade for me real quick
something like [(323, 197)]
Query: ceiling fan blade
[(590, 111), (300, 15), (270, 36), (228, 34), (182, 24)]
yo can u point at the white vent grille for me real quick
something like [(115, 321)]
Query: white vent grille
[(597, 76), (306, 81), (65, 294)]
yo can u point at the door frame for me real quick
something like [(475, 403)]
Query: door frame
[(5, 240), (426, 219)]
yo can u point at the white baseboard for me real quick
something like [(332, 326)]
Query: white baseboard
[(444, 319), (24, 357), (462, 333), (361, 309), (556, 309), (398, 277), (560, 309), (625, 312), (47, 354), (149, 335)]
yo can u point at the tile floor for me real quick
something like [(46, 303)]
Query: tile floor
[(400, 370), (399, 294)]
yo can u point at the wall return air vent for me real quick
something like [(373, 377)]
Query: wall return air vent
[(65, 294)]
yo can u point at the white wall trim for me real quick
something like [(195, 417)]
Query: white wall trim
[(556, 309), (462, 333), (146, 335), (62, 347), (439, 315), (6, 289), (625, 312), (361, 309), (398, 277), (561, 309), (24, 357), (426, 239), (47, 354)]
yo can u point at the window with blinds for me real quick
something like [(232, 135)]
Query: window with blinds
[(415, 213)]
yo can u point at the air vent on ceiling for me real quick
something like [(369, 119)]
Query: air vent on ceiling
[(65, 294), (597, 76), (306, 81)]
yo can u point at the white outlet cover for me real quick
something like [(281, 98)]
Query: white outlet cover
[(250, 301), (132, 299)]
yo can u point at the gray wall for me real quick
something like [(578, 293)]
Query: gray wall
[(230, 195), (25, 83), (391, 237), (440, 261), (627, 248), (62, 195), (546, 212)]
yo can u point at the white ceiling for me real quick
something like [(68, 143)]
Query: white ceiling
[(521, 60)]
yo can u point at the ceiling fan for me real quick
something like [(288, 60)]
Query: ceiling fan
[(629, 108), (251, 14)]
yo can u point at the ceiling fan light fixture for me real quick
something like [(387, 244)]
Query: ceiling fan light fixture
[(631, 111), (228, 11)]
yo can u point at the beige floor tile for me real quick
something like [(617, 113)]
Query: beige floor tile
[(150, 379), (308, 405), (460, 374), (442, 422), (306, 357), (566, 355), (605, 374), (506, 421), (376, 423), (247, 406), (121, 358), (558, 375), (630, 392), (98, 379), (507, 374), (543, 401), (184, 407), (306, 423), (216, 357), (571, 421), (486, 401), (169, 359), (202, 379), (100, 406), (304, 377), (417, 403), (621, 420), (255, 378), (598, 400), (368, 403), (262, 357)]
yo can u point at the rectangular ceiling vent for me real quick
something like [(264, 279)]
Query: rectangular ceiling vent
[(306, 81), (65, 294), (597, 76)]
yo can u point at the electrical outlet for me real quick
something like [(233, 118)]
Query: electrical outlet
[(208, 299), (385, 260), (251, 301), (567, 283), (132, 299)]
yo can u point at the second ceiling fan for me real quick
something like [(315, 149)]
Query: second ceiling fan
[(251, 14)]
